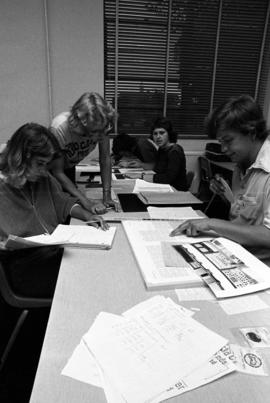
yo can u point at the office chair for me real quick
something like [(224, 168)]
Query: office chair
[(204, 192), (214, 205), (17, 301), (190, 176)]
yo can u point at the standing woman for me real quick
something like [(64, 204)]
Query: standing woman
[(170, 166), (78, 132)]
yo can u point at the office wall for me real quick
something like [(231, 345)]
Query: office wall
[(51, 52)]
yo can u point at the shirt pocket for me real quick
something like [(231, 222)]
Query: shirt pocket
[(247, 207)]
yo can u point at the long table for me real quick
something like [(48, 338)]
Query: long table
[(91, 281)]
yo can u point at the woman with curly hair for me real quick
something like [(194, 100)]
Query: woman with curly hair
[(78, 132)]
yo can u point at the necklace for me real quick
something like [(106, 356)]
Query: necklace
[(28, 194)]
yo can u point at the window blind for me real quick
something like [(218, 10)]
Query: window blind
[(181, 58)]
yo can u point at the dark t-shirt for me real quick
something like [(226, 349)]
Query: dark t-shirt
[(170, 167)]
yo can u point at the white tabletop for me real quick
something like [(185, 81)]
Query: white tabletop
[(91, 281)]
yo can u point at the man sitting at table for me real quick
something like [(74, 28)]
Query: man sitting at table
[(239, 126)]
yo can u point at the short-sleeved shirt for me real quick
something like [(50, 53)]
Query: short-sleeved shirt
[(75, 146), (252, 192)]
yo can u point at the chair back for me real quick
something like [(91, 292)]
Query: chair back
[(205, 169), (190, 176), (19, 301), (204, 193)]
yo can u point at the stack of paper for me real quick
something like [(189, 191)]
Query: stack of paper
[(143, 186), (82, 236), (160, 264), (168, 198), (173, 213), (154, 351)]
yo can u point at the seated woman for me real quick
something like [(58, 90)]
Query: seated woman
[(132, 152), (240, 127), (170, 166), (31, 203)]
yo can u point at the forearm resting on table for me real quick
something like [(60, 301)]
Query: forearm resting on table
[(248, 235)]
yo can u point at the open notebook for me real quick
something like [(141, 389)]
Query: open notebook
[(81, 236)]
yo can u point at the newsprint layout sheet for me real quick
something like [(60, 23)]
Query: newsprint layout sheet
[(223, 265)]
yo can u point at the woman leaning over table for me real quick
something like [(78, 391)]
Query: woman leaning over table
[(78, 132), (170, 166), (239, 126), (32, 203)]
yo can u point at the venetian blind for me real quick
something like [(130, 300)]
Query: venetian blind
[(181, 58)]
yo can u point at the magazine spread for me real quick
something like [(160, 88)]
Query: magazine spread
[(221, 264)]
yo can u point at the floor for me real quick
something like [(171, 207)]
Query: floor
[(17, 377)]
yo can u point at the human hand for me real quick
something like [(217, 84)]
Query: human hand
[(109, 203), (122, 164), (94, 206), (97, 221), (134, 164), (192, 227), (220, 186)]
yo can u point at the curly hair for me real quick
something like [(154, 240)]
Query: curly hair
[(241, 114), (91, 108), (167, 125), (29, 141)]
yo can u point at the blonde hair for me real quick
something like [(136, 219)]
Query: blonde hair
[(93, 109)]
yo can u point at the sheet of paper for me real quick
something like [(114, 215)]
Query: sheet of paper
[(195, 294), (249, 361), (82, 366), (246, 303), (141, 185), (144, 344), (172, 213), (147, 346), (220, 364)]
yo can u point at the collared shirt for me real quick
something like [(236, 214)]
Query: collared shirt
[(252, 191), (252, 196)]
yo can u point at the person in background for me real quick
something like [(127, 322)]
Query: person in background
[(239, 126), (78, 132), (32, 202), (170, 166), (134, 152)]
